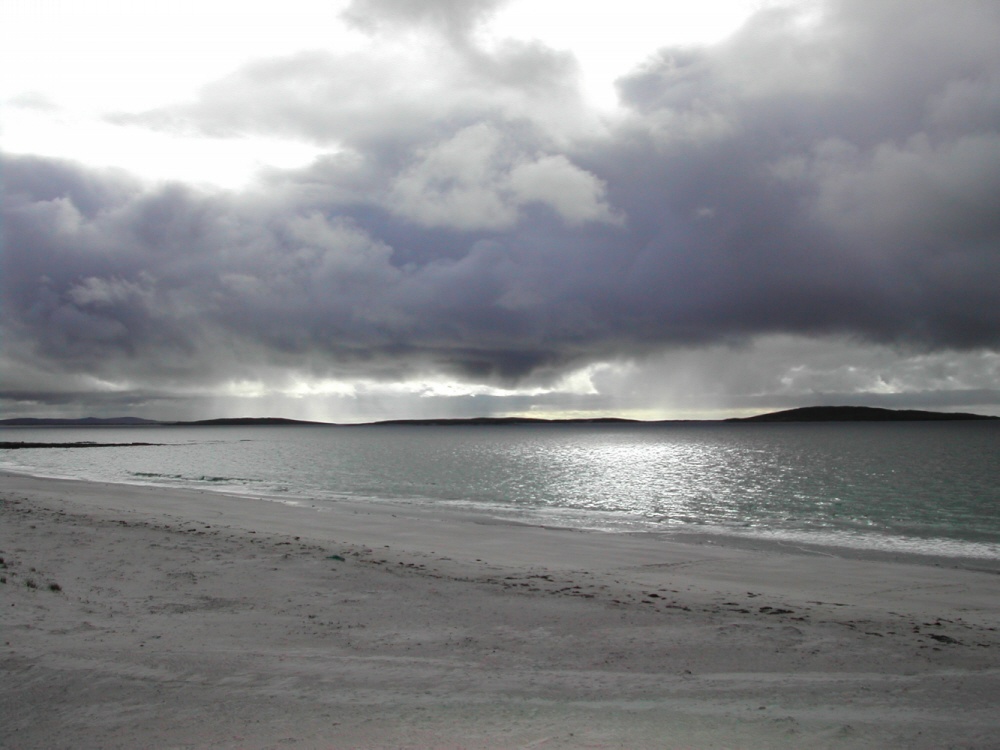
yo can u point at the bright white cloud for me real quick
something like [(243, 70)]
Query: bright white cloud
[(87, 61), (576, 195), (476, 180)]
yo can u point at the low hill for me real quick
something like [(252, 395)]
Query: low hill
[(84, 422), (859, 414), (803, 414), (244, 422), (501, 421)]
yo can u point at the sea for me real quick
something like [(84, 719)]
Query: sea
[(919, 487)]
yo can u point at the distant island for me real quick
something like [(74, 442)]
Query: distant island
[(85, 422), (136, 422), (802, 414), (859, 414), (505, 421)]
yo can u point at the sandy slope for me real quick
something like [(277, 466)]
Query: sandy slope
[(199, 620)]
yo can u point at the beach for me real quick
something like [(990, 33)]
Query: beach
[(148, 617)]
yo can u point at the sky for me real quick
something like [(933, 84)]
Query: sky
[(377, 209)]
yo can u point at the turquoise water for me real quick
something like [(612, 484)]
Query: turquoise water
[(923, 487)]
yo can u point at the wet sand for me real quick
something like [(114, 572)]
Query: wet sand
[(143, 617)]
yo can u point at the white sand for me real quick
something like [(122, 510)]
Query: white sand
[(190, 620)]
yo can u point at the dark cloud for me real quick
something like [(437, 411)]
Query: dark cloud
[(827, 176), (804, 179)]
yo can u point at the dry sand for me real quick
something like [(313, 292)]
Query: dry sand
[(193, 620)]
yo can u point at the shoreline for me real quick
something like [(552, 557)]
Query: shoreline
[(693, 535), (188, 618)]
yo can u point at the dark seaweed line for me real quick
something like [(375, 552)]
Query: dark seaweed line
[(17, 446)]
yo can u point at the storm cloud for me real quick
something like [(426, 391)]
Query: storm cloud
[(828, 172)]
